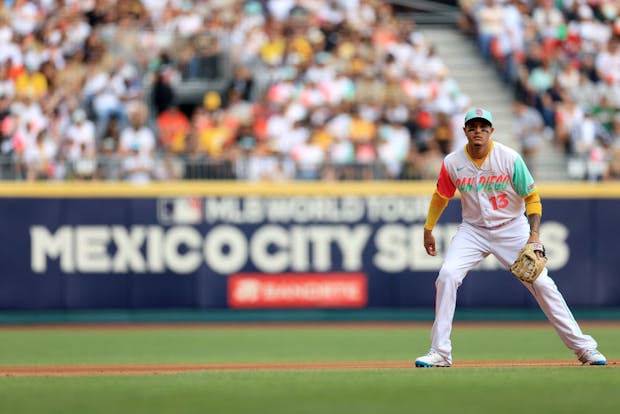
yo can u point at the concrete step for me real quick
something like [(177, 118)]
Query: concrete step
[(481, 82), (476, 79)]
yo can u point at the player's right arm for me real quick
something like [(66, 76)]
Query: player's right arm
[(443, 193)]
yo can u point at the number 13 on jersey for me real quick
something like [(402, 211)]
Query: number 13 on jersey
[(499, 201)]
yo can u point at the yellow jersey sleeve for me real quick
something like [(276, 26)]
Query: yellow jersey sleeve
[(435, 208), (533, 205)]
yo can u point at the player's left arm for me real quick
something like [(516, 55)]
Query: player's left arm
[(533, 210), (525, 186)]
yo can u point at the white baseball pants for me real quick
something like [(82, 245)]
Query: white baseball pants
[(469, 246)]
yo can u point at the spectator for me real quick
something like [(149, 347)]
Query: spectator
[(162, 93), (309, 157), (612, 172), (31, 83), (206, 63), (303, 66), (168, 167), (393, 147), (528, 128), (173, 128), (80, 137), (489, 19), (242, 82), (548, 19), (568, 117), (84, 165), (39, 158), (105, 98), (138, 164), (607, 62), (444, 134), (137, 134), (109, 165)]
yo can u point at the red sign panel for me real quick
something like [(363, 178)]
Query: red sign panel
[(298, 290)]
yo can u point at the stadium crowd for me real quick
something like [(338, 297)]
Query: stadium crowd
[(316, 89), (562, 58)]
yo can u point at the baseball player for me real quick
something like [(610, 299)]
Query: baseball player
[(496, 190)]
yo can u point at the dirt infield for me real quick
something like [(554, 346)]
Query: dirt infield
[(167, 369), (162, 369)]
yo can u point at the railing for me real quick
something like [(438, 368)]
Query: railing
[(428, 12), (273, 168), (248, 168)]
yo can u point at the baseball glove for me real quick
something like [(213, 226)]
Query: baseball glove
[(531, 261)]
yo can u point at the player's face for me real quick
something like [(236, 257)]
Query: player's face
[(478, 132)]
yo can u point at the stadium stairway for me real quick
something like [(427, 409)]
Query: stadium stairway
[(477, 79), (480, 81)]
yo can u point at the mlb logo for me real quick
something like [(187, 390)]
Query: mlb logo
[(479, 112), (181, 210)]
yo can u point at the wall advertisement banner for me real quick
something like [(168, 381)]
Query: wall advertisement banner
[(260, 251)]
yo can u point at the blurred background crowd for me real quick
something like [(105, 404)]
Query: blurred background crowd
[(289, 89), (562, 58)]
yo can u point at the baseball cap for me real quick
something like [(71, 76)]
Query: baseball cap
[(479, 113)]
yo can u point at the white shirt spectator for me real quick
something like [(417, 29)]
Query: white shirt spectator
[(394, 147), (547, 19), (309, 157), (607, 62), (95, 83), (81, 131), (156, 8), (280, 9), (32, 115), (39, 157), (7, 86), (188, 24), (511, 38), (330, 14), (339, 126), (284, 143), (11, 51), (490, 18), (342, 152), (138, 167), (142, 137), (594, 34), (25, 18), (568, 77)]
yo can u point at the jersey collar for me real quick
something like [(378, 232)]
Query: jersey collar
[(478, 163)]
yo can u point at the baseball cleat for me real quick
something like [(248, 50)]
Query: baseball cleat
[(432, 359), (592, 357)]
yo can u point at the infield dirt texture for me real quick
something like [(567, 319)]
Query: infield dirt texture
[(96, 369)]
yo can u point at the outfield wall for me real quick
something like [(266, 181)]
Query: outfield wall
[(218, 245)]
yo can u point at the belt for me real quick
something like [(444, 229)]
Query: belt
[(499, 225)]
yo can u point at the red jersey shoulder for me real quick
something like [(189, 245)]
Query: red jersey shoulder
[(445, 185)]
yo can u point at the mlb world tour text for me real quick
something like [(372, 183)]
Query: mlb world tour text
[(265, 234)]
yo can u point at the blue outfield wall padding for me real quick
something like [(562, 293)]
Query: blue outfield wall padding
[(338, 246)]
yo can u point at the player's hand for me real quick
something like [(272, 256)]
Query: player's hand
[(535, 238), (429, 243)]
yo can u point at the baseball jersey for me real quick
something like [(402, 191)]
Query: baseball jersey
[(491, 194)]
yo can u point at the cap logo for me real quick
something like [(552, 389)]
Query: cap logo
[(478, 111)]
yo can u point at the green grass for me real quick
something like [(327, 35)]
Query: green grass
[(475, 390), (463, 390)]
